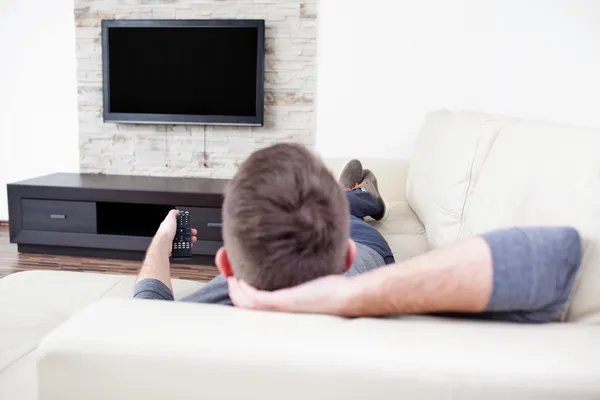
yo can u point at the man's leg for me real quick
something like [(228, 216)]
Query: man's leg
[(363, 204), (364, 199)]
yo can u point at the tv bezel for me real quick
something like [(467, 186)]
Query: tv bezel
[(185, 119)]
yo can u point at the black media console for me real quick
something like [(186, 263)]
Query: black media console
[(112, 216)]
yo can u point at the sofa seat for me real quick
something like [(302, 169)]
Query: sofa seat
[(403, 231), (297, 357), (34, 303)]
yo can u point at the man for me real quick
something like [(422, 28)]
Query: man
[(286, 221), (288, 237)]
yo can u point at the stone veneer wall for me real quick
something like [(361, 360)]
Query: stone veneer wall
[(177, 150)]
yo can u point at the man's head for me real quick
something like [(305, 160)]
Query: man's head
[(285, 220)]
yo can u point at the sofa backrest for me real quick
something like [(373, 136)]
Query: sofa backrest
[(473, 172)]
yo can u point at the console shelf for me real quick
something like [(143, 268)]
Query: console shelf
[(112, 216)]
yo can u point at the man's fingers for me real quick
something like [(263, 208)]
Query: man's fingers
[(234, 292), (318, 296), (270, 301), (247, 288), (194, 232), (194, 239), (238, 297), (169, 221), (245, 296)]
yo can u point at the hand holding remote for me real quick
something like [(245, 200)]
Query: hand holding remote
[(168, 228), (182, 243)]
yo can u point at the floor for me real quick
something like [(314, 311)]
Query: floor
[(11, 261)]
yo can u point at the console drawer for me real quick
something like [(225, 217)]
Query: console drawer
[(59, 216), (207, 221)]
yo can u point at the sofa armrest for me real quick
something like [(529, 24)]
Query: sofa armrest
[(148, 349)]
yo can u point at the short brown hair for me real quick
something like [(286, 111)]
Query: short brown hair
[(285, 219)]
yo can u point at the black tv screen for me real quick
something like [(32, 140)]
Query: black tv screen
[(207, 72)]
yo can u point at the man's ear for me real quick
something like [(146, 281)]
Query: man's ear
[(223, 264), (350, 254)]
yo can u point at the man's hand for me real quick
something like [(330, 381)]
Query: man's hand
[(168, 228), (328, 295)]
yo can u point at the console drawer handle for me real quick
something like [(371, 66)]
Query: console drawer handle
[(58, 216), (214, 225)]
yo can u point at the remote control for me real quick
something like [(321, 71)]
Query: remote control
[(182, 244)]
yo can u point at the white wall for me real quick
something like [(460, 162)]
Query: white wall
[(38, 92), (383, 64)]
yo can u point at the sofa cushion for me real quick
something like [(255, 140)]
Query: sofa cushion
[(117, 349), (544, 174), (19, 381), (33, 303), (445, 166), (403, 231)]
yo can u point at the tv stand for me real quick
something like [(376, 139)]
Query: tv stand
[(111, 216)]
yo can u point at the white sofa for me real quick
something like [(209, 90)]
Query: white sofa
[(78, 336)]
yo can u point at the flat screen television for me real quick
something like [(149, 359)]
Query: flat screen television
[(207, 72)]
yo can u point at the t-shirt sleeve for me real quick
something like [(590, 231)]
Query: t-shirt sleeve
[(214, 292), (534, 271), (152, 289)]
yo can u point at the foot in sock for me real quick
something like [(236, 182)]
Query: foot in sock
[(369, 185), (351, 175)]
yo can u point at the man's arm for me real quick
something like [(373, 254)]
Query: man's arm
[(154, 278), (452, 279), (457, 278), (515, 274), (156, 264)]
